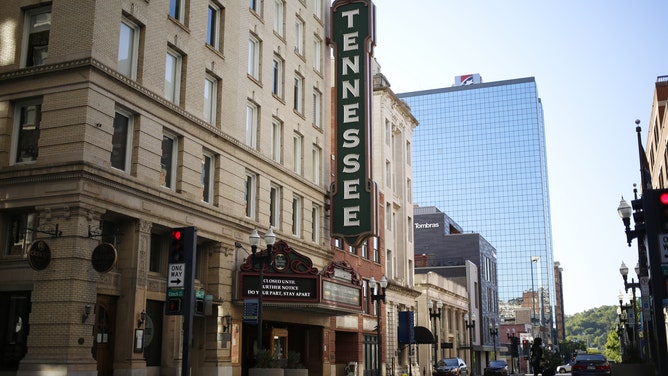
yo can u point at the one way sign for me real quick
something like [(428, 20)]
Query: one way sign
[(176, 275)]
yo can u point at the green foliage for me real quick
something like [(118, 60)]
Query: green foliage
[(591, 327), (612, 347), (294, 360), (264, 359)]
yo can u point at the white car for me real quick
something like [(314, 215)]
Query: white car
[(565, 368)]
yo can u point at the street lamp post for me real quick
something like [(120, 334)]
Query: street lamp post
[(261, 260), (378, 295), (435, 314), (470, 324), (494, 332), (513, 348), (533, 293), (624, 271), (626, 311)]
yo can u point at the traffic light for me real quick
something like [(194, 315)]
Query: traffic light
[(176, 247), (663, 211), (174, 306), (525, 347)]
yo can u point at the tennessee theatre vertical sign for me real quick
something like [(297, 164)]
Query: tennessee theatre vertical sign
[(354, 206)]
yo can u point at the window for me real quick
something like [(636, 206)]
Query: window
[(299, 36), (206, 179), (173, 64), (409, 229), (409, 190), (168, 161), (376, 250), (408, 153), (279, 17), (277, 77), (317, 161), (36, 42), (317, 54), (297, 148), (297, 216), (317, 109), (276, 140), (121, 140), (365, 299), (251, 124), (298, 104), (250, 195), (275, 206), (338, 243), (388, 173), (128, 48), (254, 46), (210, 99), (19, 231), (176, 10), (213, 26), (315, 223), (317, 9), (27, 116), (365, 249), (351, 249), (388, 216), (388, 132), (256, 6)]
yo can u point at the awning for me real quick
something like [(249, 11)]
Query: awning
[(423, 335)]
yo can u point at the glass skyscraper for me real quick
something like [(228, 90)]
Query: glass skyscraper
[(479, 156)]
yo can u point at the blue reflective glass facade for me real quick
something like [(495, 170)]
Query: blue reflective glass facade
[(479, 156)]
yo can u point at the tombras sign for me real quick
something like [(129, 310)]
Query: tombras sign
[(353, 194)]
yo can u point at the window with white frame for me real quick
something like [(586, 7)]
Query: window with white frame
[(173, 64), (168, 161), (317, 108), (409, 151), (256, 6), (297, 152), (388, 173), (250, 195), (277, 77), (276, 140), (298, 94), (315, 223), (206, 178), (213, 25), (299, 36), (275, 206), (409, 190), (388, 216), (376, 249), (297, 216), (338, 243), (388, 132), (210, 98), (365, 249), (254, 48), (121, 140), (279, 17), (316, 159), (317, 9), (409, 229), (36, 39), (18, 226), (177, 10), (317, 54), (252, 116), (128, 48), (27, 116)]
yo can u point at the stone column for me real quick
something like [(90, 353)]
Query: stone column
[(61, 338)]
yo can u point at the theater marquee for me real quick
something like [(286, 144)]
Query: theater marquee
[(353, 194)]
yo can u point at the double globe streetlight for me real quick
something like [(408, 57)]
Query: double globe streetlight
[(435, 314), (494, 332), (378, 295), (470, 325), (261, 260)]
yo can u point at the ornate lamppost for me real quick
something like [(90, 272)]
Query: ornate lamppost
[(470, 325), (261, 260), (378, 295), (494, 332), (435, 314)]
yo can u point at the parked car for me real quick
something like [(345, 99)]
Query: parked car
[(451, 366), (497, 368), (590, 365), (565, 368)]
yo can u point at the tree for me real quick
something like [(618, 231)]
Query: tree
[(612, 347)]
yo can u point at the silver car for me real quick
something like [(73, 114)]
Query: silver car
[(565, 368)]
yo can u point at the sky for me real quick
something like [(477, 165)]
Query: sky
[(595, 63)]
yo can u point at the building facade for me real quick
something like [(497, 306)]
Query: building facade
[(479, 155), (122, 120)]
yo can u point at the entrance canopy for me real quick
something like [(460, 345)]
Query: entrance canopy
[(423, 335)]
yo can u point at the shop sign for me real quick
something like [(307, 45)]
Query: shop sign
[(39, 255), (338, 293), (281, 287)]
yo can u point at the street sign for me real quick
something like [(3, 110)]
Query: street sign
[(176, 275)]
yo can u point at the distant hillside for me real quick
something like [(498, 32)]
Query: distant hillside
[(591, 327)]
